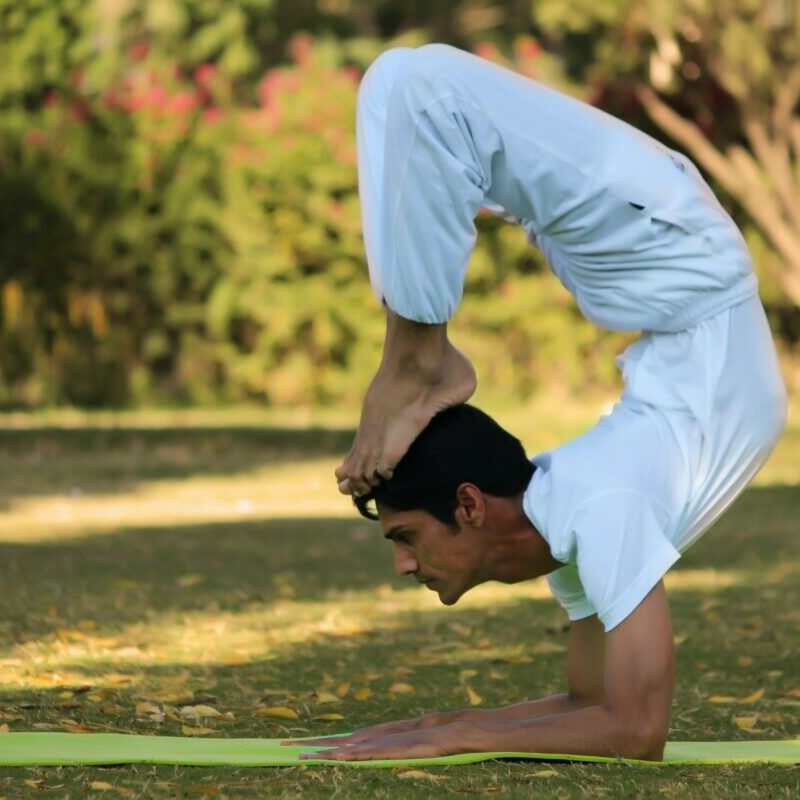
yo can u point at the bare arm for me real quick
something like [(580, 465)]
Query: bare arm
[(585, 681), (420, 374), (585, 688), (630, 718)]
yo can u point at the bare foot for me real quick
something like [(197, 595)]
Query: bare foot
[(402, 399)]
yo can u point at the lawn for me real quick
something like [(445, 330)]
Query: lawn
[(187, 574)]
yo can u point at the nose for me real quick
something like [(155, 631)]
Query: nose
[(405, 562)]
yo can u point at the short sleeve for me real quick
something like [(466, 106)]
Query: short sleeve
[(566, 586), (621, 551)]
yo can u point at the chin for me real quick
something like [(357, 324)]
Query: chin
[(450, 599)]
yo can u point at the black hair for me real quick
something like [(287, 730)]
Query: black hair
[(461, 444)]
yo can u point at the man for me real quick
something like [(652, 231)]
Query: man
[(635, 234)]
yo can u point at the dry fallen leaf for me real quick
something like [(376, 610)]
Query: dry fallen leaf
[(101, 786), (34, 784), (149, 710), (545, 647), (474, 698), (363, 694), (342, 689), (208, 789), (190, 580), (198, 712), (461, 630), (327, 697), (77, 728), (401, 688), (545, 773), (189, 730), (327, 716), (418, 774), (746, 723), (748, 700), (793, 693), (367, 677), (278, 712)]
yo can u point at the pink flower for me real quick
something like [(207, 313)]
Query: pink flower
[(205, 73), (182, 103), (212, 115), (527, 48), (300, 49), (35, 138), (268, 87), (487, 50), (156, 97)]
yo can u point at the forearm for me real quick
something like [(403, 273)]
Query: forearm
[(591, 730), (527, 710)]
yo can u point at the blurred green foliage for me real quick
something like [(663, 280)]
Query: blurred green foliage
[(179, 206)]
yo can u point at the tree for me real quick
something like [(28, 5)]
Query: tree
[(721, 78)]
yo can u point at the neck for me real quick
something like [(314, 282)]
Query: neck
[(521, 552)]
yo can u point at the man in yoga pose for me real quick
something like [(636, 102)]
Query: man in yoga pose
[(634, 233)]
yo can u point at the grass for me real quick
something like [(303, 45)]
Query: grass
[(158, 561)]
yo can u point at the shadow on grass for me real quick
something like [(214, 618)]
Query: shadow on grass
[(126, 576), (122, 577), (39, 461)]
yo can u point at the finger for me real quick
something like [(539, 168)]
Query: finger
[(387, 473), (358, 484), (322, 741), (344, 753), (344, 486)]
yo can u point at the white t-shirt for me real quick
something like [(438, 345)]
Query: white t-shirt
[(700, 413), (609, 505)]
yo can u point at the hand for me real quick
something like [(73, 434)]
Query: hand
[(425, 743), (432, 720)]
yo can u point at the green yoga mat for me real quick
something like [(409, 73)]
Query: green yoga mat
[(55, 749)]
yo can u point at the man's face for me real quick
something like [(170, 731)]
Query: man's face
[(449, 561)]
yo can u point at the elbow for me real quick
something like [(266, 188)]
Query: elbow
[(643, 741)]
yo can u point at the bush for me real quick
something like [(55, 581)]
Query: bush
[(175, 234)]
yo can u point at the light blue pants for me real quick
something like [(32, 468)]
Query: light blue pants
[(628, 226)]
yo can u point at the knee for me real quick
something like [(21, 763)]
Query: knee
[(380, 78), (412, 71)]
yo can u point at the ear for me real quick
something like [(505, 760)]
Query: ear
[(471, 508)]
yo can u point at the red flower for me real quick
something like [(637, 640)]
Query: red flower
[(138, 51)]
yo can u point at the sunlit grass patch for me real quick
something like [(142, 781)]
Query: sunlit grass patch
[(211, 581)]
